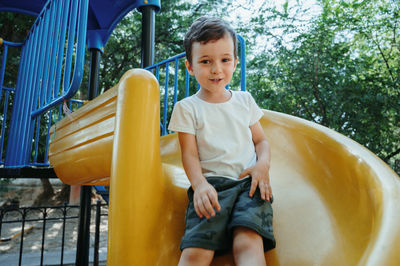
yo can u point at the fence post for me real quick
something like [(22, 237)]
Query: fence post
[(82, 247), (64, 211), (97, 234), (24, 211), (43, 234)]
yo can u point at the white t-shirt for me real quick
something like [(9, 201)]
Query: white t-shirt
[(222, 132)]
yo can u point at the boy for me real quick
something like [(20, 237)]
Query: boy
[(224, 153)]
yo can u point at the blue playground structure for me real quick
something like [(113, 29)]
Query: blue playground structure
[(51, 67), (50, 73)]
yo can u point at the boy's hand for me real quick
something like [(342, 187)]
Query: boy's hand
[(205, 199), (259, 177)]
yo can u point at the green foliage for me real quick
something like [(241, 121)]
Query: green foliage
[(13, 28), (343, 72), (122, 51)]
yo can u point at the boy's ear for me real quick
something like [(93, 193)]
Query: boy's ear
[(189, 67), (235, 63)]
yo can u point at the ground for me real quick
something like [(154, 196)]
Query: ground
[(25, 196)]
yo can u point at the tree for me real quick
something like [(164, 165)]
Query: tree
[(374, 27), (343, 72)]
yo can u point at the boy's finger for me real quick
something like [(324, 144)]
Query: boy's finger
[(245, 173), (270, 191), (267, 194), (202, 210), (208, 207), (214, 201), (263, 190), (197, 210), (253, 188)]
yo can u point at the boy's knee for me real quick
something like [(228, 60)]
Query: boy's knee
[(246, 240), (196, 256), (248, 247)]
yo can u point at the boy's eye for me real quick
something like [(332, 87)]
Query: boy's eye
[(226, 60), (204, 61)]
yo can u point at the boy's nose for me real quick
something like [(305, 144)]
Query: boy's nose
[(216, 68)]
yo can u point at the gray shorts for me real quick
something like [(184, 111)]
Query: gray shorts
[(237, 209)]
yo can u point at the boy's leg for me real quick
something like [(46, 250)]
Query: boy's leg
[(248, 248), (196, 257)]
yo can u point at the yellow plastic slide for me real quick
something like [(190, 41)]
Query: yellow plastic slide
[(336, 203)]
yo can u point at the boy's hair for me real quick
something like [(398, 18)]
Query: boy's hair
[(205, 29)]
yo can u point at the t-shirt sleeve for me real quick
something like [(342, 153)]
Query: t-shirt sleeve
[(182, 119), (255, 111)]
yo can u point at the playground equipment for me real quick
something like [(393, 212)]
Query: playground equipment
[(335, 202), (51, 66)]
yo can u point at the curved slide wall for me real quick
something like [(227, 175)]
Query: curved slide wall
[(335, 202)]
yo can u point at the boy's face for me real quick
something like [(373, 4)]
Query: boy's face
[(213, 63)]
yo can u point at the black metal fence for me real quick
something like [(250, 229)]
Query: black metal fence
[(45, 230)]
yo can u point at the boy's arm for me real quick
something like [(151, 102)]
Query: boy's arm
[(205, 197), (260, 171)]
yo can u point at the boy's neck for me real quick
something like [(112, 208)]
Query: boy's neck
[(214, 97)]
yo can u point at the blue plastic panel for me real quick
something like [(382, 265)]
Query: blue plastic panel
[(103, 15), (50, 70)]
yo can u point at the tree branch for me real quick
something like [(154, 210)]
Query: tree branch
[(384, 59), (388, 157)]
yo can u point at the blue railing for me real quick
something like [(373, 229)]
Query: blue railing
[(5, 92), (50, 72), (181, 86)]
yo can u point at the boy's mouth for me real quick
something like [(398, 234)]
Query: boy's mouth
[(215, 80)]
